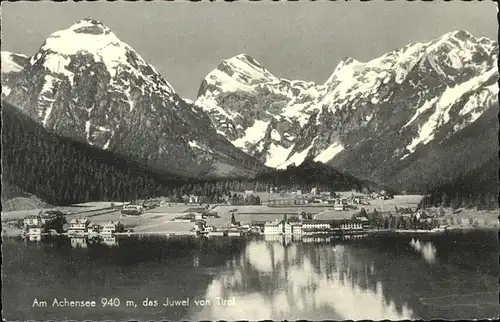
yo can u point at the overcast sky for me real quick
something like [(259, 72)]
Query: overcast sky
[(185, 41)]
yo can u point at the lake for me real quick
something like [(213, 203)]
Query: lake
[(448, 276)]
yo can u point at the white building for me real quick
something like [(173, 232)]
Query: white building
[(316, 225), (32, 220), (93, 229), (110, 227), (273, 228), (351, 226), (37, 220), (209, 228), (296, 228), (339, 207), (283, 228), (286, 227), (78, 226)]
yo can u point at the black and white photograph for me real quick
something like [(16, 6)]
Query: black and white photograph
[(249, 160)]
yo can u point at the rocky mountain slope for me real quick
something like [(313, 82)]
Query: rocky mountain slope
[(86, 84), (12, 65), (61, 171), (394, 120)]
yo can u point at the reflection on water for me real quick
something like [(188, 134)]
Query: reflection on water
[(78, 242), (427, 249), (34, 238), (110, 240), (288, 239), (292, 281), (378, 277)]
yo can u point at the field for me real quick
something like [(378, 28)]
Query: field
[(159, 220), (89, 208), (247, 214), (467, 218), (398, 201)]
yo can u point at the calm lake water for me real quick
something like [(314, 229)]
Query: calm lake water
[(452, 276)]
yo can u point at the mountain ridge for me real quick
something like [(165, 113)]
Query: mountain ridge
[(378, 120), (410, 97), (86, 84)]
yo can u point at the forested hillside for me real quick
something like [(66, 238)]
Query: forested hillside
[(478, 188), (61, 171), (312, 174)]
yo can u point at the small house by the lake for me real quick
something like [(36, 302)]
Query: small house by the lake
[(78, 226)]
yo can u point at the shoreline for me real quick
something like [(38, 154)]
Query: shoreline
[(161, 221), (429, 232), (14, 233)]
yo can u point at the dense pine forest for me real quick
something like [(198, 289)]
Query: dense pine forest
[(312, 174), (477, 189), (61, 171)]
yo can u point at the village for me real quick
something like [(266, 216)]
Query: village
[(311, 214)]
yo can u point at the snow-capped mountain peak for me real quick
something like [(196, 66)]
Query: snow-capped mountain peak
[(409, 97), (12, 62), (93, 38), (12, 65), (246, 69), (87, 84), (238, 73)]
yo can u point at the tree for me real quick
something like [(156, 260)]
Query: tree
[(235, 199), (455, 202)]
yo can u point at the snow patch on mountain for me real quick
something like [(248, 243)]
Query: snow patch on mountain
[(329, 153), (419, 89), (249, 70), (229, 83), (195, 144), (5, 90), (238, 73), (12, 65), (443, 105), (475, 104), (296, 112), (451, 94), (253, 135), (58, 64), (9, 64), (298, 157), (275, 135), (277, 155), (421, 110)]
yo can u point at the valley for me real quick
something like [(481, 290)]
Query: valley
[(418, 119)]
